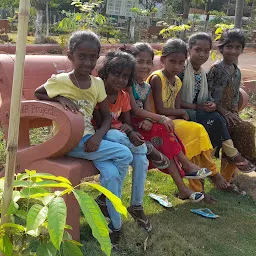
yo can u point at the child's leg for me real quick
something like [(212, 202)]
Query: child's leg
[(205, 160), (139, 164), (140, 168), (112, 160), (184, 192), (186, 164)]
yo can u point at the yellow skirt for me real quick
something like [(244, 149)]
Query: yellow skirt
[(193, 136)]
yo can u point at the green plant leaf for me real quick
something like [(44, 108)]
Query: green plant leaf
[(95, 219), (47, 199), (13, 225), (52, 184), (6, 246), (22, 176), (21, 214), (116, 201), (34, 233), (13, 207), (57, 215), (48, 176), (20, 183), (16, 196), (46, 249), (34, 192), (71, 249), (36, 216)]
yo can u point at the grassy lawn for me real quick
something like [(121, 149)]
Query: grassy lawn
[(177, 231)]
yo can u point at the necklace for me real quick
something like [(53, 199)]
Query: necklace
[(77, 80)]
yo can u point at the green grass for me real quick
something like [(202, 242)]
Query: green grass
[(179, 232)]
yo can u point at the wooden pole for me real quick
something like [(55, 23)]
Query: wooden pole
[(14, 122)]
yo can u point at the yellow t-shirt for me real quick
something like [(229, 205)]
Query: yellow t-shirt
[(86, 99)]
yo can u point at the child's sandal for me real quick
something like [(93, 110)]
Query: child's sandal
[(246, 166)]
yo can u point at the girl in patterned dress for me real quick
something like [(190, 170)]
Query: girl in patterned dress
[(224, 79)]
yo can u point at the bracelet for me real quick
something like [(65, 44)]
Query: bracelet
[(162, 119), (149, 119), (129, 133)]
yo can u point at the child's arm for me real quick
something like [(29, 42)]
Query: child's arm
[(41, 94), (135, 137), (92, 144), (231, 118), (156, 86), (142, 113)]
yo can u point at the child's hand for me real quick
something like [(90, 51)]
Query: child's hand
[(169, 124), (136, 138), (185, 115), (209, 106), (92, 144), (231, 118), (67, 104), (125, 128), (146, 125)]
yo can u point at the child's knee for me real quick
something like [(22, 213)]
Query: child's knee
[(125, 154)]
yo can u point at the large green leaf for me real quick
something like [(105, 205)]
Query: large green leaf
[(46, 250), (34, 192), (95, 219), (71, 249), (36, 216), (116, 201), (56, 220), (13, 225), (20, 183), (16, 196), (47, 199), (51, 184), (49, 176), (6, 246)]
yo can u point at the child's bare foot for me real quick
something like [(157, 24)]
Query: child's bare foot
[(209, 199), (190, 167), (219, 182), (187, 193)]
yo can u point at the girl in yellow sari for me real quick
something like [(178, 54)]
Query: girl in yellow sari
[(165, 100)]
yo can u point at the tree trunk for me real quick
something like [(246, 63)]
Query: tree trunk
[(186, 6), (239, 13), (39, 26), (253, 10), (47, 19), (207, 15)]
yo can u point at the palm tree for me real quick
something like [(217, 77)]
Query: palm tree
[(40, 6)]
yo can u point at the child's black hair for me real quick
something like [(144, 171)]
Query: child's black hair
[(80, 36), (141, 47), (199, 36), (117, 60), (231, 35), (174, 46)]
